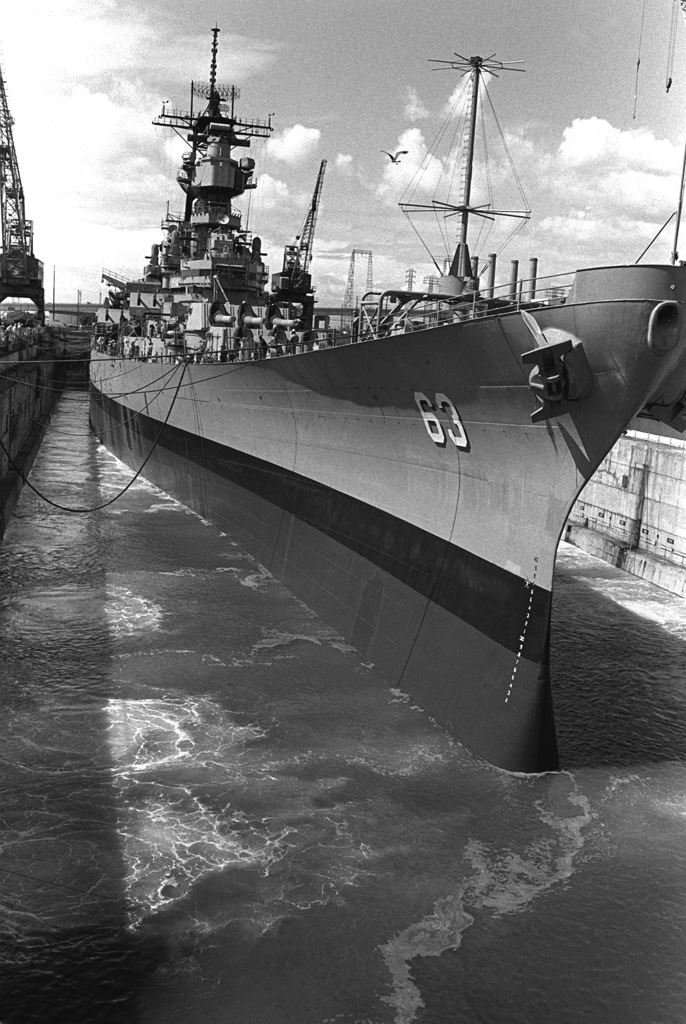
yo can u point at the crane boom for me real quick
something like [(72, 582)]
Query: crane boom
[(21, 274), (307, 233), (294, 282)]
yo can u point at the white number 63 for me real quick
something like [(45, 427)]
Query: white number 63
[(428, 409)]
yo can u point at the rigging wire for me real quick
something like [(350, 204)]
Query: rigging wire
[(671, 46), (515, 175), (655, 237), (458, 115), (485, 223), (122, 394), (638, 62), (456, 118), (96, 508), (54, 389)]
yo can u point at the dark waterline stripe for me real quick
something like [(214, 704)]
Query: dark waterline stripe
[(480, 593)]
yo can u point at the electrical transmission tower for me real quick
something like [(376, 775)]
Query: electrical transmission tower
[(350, 287), (21, 274)]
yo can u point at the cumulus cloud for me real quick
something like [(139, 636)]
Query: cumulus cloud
[(343, 163), (106, 69), (605, 193), (594, 141), (627, 173), (417, 165), (271, 192), (293, 144), (414, 108)]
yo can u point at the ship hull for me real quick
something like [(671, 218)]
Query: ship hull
[(337, 563), (434, 558)]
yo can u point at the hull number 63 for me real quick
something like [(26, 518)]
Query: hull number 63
[(434, 427)]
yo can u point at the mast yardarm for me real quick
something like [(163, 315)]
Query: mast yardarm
[(475, 67)]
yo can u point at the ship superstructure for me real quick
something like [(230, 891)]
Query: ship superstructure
[(410, 480), (206, 287)]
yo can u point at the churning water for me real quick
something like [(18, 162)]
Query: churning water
[(214, 811)]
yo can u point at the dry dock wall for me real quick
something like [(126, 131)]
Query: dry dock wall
[(30, 381), (632, 512)]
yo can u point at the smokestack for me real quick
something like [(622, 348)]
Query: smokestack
[(533, 271), (490, 276), (514, 271)]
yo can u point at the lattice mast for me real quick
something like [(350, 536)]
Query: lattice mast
[(468, 167)]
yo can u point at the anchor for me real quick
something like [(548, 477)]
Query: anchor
[(560, 375), (548, 378)]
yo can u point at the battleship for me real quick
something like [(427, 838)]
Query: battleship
[(410, 479)]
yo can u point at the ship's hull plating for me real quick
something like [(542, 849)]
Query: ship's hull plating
[(434, 558)]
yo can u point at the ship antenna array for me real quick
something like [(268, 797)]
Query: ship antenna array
[(476, 67), (444, 208), (184, 123), (212, 92)]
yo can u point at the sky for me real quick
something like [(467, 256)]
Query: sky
[(594, 138)]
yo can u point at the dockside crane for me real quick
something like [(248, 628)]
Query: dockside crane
[(294, 282), (21, 274)]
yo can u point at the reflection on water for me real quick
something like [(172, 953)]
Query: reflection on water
[(213, 810)]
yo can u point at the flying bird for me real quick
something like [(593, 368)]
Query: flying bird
[(394, 159)]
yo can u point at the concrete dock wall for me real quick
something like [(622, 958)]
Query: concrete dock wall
[(31, 380), (632, 512)]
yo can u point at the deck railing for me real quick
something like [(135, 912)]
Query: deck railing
[(379, 315)]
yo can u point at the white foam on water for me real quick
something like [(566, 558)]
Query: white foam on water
[(171, 760), (128, 613), (400, 697), (169, 505), (634, 794), (413, 760), (115, 474), (279, 638), (503, 881), (339, 644), (177, 763), (155, 652), (177, 572), (669, 615), (258, 580), (638, 596)]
